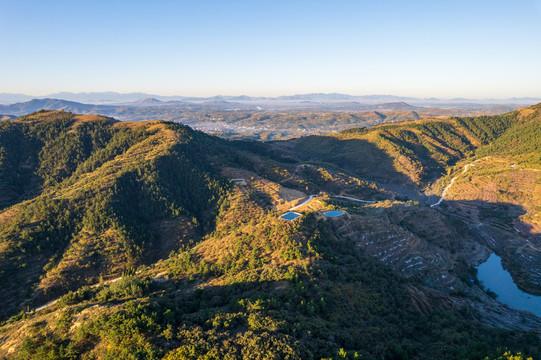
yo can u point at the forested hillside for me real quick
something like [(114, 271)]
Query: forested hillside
[(421, 150), (90, 193), (152, 252), (521, 140), (505, 151)]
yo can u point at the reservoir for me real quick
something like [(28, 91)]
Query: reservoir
[(333, 213), (290, 216), (496, 278)]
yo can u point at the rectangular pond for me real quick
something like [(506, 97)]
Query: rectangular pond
[(290, 216), (333, 213)]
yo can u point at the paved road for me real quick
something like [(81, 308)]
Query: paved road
[(353, 199), (51, 303), (304, 203), (311, 197)]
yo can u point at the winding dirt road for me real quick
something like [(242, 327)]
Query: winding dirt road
[(450, 184)]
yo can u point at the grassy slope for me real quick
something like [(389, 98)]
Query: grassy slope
[(415, 152), (98, 193), (255, 287), (258, 287)]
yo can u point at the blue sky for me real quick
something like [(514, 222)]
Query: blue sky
[(473, 48)]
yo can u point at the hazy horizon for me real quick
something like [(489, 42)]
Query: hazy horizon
[(173, 95)]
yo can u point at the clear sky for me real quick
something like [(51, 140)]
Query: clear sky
[(440, 48)]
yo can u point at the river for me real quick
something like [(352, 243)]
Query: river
[(497, 279)]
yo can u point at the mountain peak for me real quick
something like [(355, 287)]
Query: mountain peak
[(52, 115), (148, 101)]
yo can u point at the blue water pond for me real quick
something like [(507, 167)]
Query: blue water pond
[(496, 278), (290, 216), (333, 213)]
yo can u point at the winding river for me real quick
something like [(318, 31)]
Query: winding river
[(498, 280)]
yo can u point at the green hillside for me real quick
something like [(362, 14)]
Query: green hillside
[(522, 138), (421, 151), (91, 191), (260, 288), (153, 253)]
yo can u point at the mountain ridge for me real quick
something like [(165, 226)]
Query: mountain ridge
[(271, 121), (206, 267), (115, 97)]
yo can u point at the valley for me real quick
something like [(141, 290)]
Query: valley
[(267, 119), (270, 180), (138, 241)]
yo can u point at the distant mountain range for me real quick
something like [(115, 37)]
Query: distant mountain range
[(155, 108), (47, 104), (266, 120), (119, 98)]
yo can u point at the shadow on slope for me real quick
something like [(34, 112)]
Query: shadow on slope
[(401, 175)]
